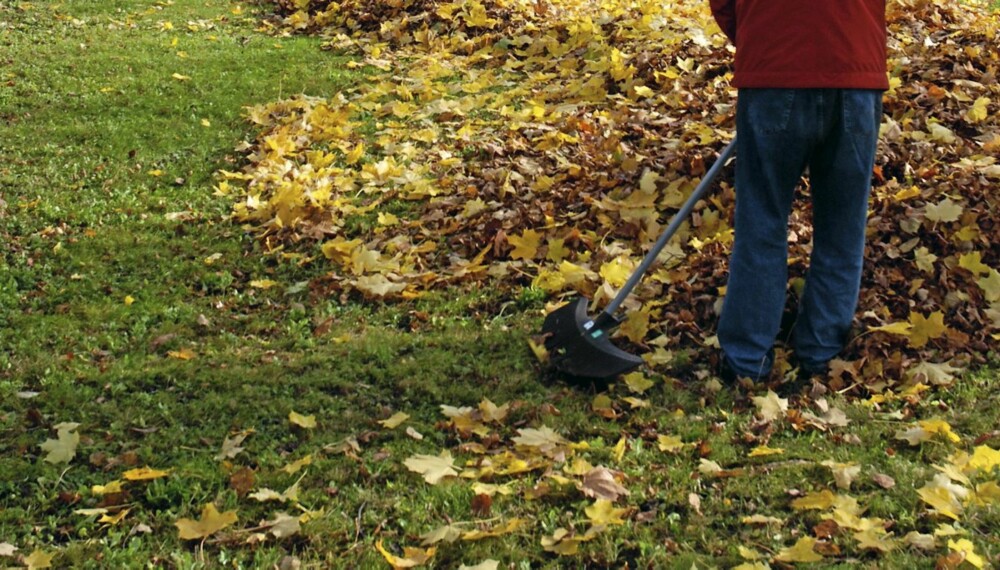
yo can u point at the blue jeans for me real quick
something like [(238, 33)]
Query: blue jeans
[(781, 132)]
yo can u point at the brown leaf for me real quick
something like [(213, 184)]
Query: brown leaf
[(242, 481), (600, 483)]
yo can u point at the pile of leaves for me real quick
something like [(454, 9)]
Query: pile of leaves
[(550, 152)]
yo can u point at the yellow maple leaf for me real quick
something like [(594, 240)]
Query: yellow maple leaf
[(38, 560), (817, 500), (984, 458), (968, 551), (763, 451), (801, 551), (979, 110), (513, 525), (113, 519), (305, 422), (211, 522), (180, 77), (943, 496), (144, 474), (395, 420), (926, 328), (991, 286), (182, 354), (927, 429), (973, 261), (411, 556), (525, 245), (298, 464), (616, 272), (603, 512), (669, 443)]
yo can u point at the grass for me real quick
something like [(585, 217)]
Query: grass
[(126, 305)]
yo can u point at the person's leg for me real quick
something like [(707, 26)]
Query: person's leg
[(774, 132), (840, 174)]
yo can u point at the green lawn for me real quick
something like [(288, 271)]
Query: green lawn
[(128, 305)]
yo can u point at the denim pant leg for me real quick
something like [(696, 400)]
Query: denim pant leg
[(840, 172), (775, 130)]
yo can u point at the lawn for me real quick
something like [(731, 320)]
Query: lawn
[(141, 326)]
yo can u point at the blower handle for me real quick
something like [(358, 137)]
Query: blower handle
[(608, 315)]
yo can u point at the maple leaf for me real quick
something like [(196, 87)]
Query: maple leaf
[(925, 328), (63, 448), (304, 422), (669, 443), (991, 285), (525, 246), (433, 468), (818, 500), (231, 446), (927, 429), (937, 374), (843, 473), (979, 110), (7, 549), (637, 381), (944, 496), (801, 551), (544, 439), (968, 551), (984, 458), (145, 474), (770, 406), (944, 211), (764, 451), (600, 482), (973, 261), (211, 522), (283, 525), (297, 465), (411, 556), (395, 420), (603, 512), (876, 538), (38, 560), (513, 525), (446, 533)]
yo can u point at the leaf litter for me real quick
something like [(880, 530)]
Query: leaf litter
[(544, 144)]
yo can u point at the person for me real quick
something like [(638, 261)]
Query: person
[(810, 77)]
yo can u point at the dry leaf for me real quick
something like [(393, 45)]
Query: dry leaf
[(395, 420), (433, 468), (211, 522), (304, 422), (38, 560), (801, 551), (63, 448), (600, 483), (770, 407)]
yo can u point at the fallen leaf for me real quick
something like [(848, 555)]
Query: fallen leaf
[(770, 407), (211, 522), (600, 483), (63, 448), (38, 560), (968, 551), (764, 451), (395, 420), (145, 474), (304, 422), (844, 474), (7, 549), (603, 512), (801, 551), (433, 468), (283, 525), (411, 556)]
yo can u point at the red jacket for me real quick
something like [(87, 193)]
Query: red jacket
[(806, 43)]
